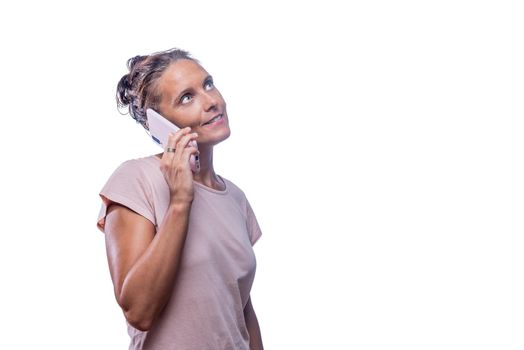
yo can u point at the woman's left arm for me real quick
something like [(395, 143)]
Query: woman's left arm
[(255, 338)]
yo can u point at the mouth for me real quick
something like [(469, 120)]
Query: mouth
[(215, 119)]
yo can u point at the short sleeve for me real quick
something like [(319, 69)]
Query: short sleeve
[(129, 187), (252, 224)]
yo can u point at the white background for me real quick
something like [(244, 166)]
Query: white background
[(380, 145)]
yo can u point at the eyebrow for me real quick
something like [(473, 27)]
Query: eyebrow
[(183, 92)]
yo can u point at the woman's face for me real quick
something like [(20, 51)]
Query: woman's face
[(189, 98)]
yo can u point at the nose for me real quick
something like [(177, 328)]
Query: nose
[(210, 102)]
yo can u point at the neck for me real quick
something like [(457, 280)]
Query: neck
[(207, 175)]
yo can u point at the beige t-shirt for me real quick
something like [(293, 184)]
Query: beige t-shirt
[(205, 310)]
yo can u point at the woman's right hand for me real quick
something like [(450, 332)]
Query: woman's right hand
[(175, 166)]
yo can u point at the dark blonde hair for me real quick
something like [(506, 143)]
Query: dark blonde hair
[(137, 90)]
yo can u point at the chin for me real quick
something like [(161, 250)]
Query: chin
[(217, 138), (224, 136)]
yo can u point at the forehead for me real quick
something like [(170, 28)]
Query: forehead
[(181, 75)]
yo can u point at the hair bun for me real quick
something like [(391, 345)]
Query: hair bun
[(124, 95), (133, 61)]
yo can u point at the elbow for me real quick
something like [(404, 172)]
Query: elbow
[(140, 322), (136, 316)]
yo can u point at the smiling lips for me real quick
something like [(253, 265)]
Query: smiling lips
[(214, 119)]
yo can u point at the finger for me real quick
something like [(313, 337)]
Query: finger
[(188, 151), (167, 156), (185, 140), (171, 143), (175, 137)]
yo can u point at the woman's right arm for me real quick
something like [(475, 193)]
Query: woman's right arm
[(144, 264)]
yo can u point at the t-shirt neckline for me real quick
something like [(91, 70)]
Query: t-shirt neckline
[(204, 187)]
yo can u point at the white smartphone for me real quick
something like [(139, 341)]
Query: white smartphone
[(159, 129)]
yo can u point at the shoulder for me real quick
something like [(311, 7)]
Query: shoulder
[(235, 191), (231, 186), (137, 167), (137, 172), (131, 185), (134, 178)]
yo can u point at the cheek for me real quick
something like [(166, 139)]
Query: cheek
[(192, 115), (185, 117)]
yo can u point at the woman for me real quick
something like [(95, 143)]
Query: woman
[(179, 244)]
